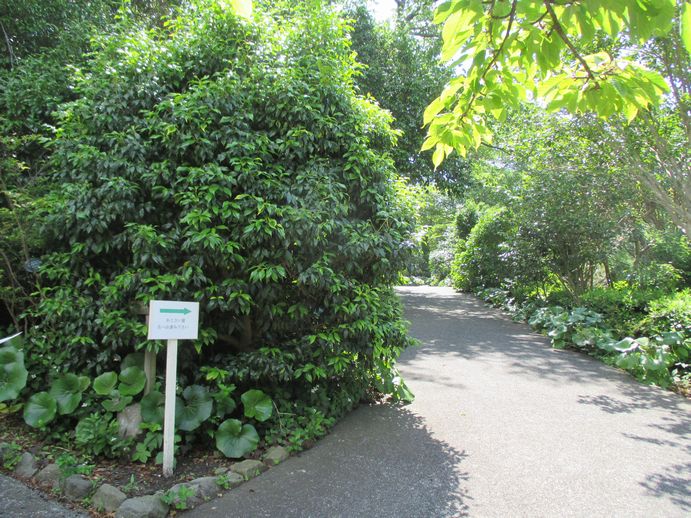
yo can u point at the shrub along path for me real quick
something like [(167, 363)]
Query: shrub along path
[(502, 426)]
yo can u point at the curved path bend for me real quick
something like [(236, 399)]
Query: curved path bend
[(502, 426)]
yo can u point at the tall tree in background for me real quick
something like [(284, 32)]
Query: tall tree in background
[(515, 50), (416, 16), (403, 74)]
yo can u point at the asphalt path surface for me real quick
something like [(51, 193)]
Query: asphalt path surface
[(20, 501), (502, 426)]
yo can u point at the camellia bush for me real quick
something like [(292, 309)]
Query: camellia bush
[(228, 161)]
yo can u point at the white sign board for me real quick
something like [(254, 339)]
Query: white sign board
[(9, 338), (173, 320)]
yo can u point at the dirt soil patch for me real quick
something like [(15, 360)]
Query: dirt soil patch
[(133, 478)]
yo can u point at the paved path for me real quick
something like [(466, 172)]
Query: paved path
[(20, 501), (503, 426)]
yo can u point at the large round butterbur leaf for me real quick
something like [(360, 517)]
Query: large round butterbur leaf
[(84, 383), (132, 381), (132, 360), (13, 374), (193, 409), (67, 391), (12, 380), (117, 404), (153, 407), (40, 410), (225, 404), (105, 383), (257, 404), (236, 440), (11, 355)]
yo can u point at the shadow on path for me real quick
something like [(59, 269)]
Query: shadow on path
[(483, 332), (380, 461), (672, 482), (503, 426), (643, 432)]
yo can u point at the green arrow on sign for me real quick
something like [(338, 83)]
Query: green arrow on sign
[(183, 311)]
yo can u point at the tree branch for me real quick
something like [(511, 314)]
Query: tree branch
[(9, 45), (562, 34), (495, 55)]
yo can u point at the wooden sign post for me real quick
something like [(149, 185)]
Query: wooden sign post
[(172, 321), (149, 354)]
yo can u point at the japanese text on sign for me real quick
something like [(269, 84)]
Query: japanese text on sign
[(173, 320)]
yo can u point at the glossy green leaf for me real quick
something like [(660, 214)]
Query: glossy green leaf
[(627, 345), (686, 26), (403, 393), (236, 440), (117, 404), (257, 404), (153, 407), (67, 391), (132, 360), (40, 410), (193, 409), (13, 374), (84, 383), (105, 383), (225, 404), (132, 381), (529, 56), (9, 355)]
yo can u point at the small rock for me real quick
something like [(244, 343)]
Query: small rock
[(248, 468), (229, 480), (207, 487), (191, 496), (49, 476), (149, 506), (77, 487), (217, 471), (26, 467), (275, 455), (129, 420), (108, 498)]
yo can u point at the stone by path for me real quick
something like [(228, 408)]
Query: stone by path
[(20, 501), (503, 426)]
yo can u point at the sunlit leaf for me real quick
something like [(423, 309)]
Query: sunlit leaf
[(242, 7), (686, 26)]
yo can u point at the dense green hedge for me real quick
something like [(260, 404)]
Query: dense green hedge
[(229, 162), (484, 257)]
